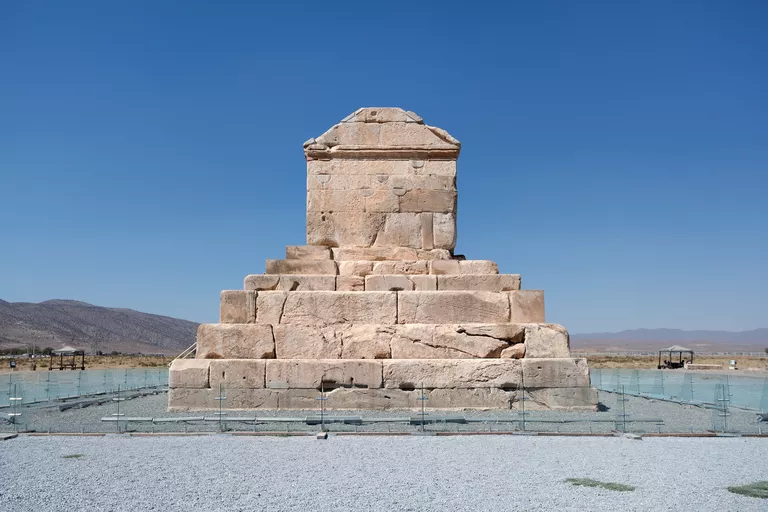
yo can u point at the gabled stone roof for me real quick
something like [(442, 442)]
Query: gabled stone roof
[(373, 132)]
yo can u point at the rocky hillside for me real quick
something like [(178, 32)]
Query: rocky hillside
[(56, 323)]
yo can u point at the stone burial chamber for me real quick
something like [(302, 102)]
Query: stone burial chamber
[(376, 306)]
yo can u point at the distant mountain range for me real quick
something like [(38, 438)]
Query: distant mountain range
[(654, 339), (56, 323)]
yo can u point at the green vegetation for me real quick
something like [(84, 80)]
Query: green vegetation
[(73, 456), (611, 486), (755, 490)]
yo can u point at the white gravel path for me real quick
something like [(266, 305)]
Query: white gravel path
[(376, 473)]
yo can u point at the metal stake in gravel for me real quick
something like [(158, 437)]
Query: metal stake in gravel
[(621, 417), (322, 398), (117, 415), (221, 398), (521, 412), (15, 402), (423, 398), (720, 412)]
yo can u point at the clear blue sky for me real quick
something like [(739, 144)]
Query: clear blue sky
[(614, 153)]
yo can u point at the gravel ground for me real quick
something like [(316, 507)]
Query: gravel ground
[(376, 473), (675, 418)]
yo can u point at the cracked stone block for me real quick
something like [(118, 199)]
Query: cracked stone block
[(526, 306), (547, 340), (235, 341), (319, 308), (188, 373), (290, 282), (452, 307), (237, 307), (306, 342), (309, 373), (307, 252), (452, 373), (555, 373), (479, 282), (304, 267), (237, 373), (350, 283)]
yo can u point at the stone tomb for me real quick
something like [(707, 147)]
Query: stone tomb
[(376, 305)]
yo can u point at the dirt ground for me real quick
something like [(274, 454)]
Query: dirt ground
[(651, 362), (91, 362)]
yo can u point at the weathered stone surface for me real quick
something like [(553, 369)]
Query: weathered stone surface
[(329, 200), (346, 398), (237, 307), (509, 333), (452, 373), (526, 306), (416, 341), (400, 267), (442, 267), (584, 398), (308, 373), (452, 307), (338, 229), (555, 373), (400, 229), (350, 283), (366, 341), (420, 200), (306, 342), (402, 169), (427, 230), (383, 283), (355, 268), (547, 340), (516, 351), (304, 267), (307, 252), (424, 283), (374, 253), (478, 267), (481, 282), (290, 282), (235, 341), (478, 398), (205, 399), (458, 339), (237, 373), (444, 230), (270, 306), (189, 373), (313, 308)]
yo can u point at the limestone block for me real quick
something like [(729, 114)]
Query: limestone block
[(312, 308), (306, 342), (457, 338), (516, 351), (478, 398), (308, 373), (235, 341), (237, 373), (346, 399), (270, 306), (424, 283), (584, 398), (555, 373), (344, 182), (205, 399), (433, 254), (382, 200), (444, 267), (355, 268), (452, 307), (350, 283), (452, 373), (189, 373), (383, 283), (368, 167), (307, 252), (366, 341), (420, 200), (427, 234), (400, 229), (527, 306), (444, 230), (290, 282), (304, 267), (508, 333), (372, 254), (237, 307), (478, 267), (547, 340), (380, 115), (340, 229), (416, 341), (329, 200), (482, 282), (410, 135), (422, 182), (400, 267)]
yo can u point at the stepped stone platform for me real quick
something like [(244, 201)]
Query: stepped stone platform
[(377, 309)]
